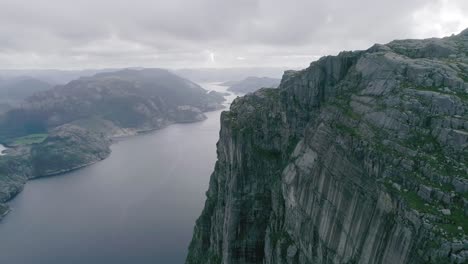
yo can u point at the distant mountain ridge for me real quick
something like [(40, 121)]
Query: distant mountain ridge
[(52, 76), (57, 77), (137, 100), (14, 90), (226, 74), (251, 84)]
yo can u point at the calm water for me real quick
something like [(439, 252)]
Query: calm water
[(138, 206)]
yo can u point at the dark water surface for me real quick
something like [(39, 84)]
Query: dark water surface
[(137, 206)]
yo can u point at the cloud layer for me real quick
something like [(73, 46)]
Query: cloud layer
[(72, 34)]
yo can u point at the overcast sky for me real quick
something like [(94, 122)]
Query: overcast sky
[(77, 34)]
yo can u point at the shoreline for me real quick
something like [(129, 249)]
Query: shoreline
[(113, 139)]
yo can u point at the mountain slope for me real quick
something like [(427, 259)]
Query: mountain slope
[(360, 158), (136, 100), (72, 126)]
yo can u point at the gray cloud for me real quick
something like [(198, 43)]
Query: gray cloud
[(209, 33)]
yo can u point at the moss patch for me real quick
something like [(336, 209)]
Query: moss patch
[(415, 202), (27, 140), (347, 130)]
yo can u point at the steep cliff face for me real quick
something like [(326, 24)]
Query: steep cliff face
[(360, 158)]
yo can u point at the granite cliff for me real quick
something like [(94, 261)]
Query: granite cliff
[(360, 158)]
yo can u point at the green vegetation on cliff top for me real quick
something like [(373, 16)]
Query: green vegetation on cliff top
[(27, 140)]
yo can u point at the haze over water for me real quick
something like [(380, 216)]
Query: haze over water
[(137, 206)]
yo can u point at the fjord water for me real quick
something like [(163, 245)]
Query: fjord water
[(137, 206)]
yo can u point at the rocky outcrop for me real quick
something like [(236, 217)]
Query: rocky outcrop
[(67, 148), (360, 158)]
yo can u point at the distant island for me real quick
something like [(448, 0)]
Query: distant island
[(251, 84), (71, 126)]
